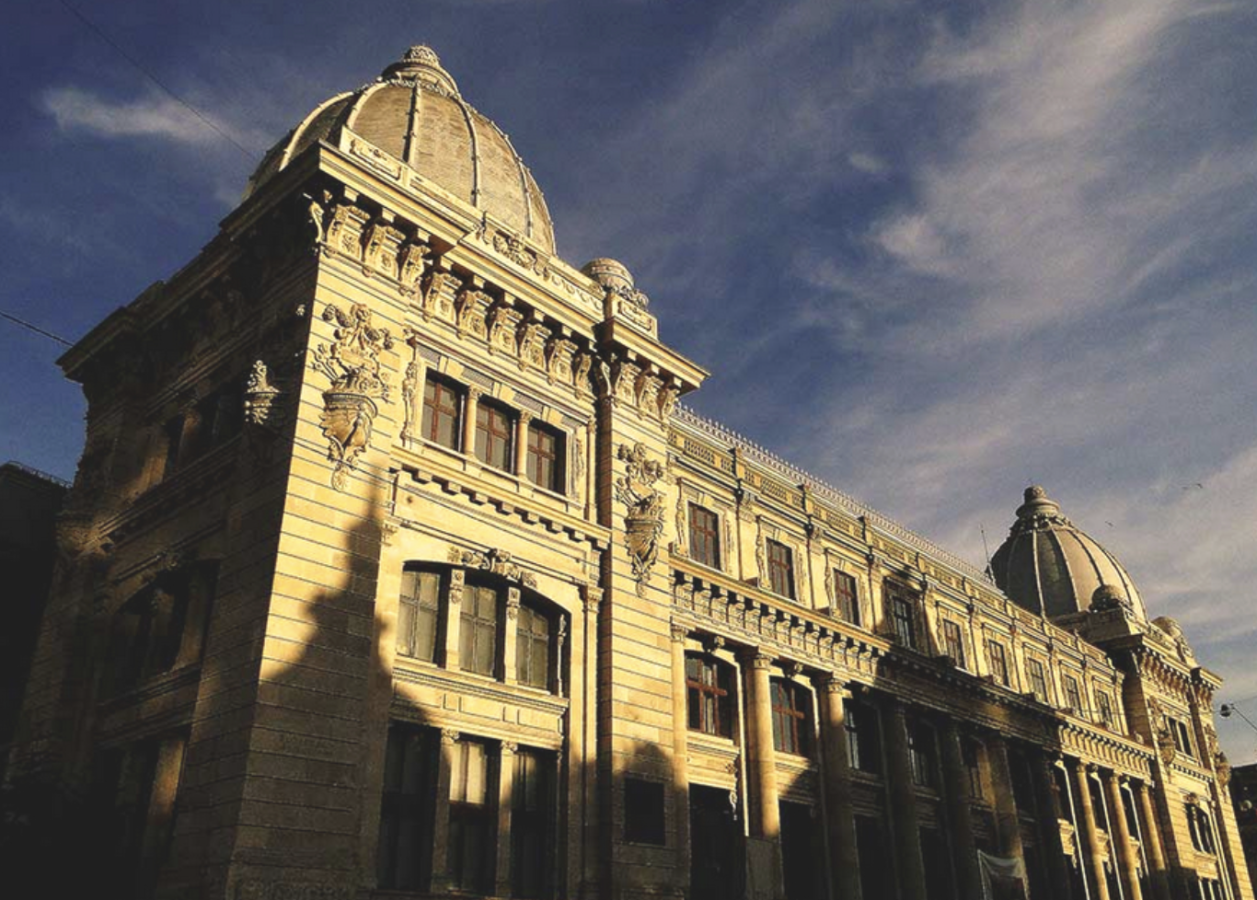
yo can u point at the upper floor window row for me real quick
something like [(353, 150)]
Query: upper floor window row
[(499, 436), (496, 629)]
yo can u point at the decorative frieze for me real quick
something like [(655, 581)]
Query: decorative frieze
[(498, 562)]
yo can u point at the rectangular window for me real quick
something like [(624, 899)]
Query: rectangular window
[(442, 412), (404, 853), (710, 698), (780, 569), (1182, 737), (876, 877), (530, 824), (1104, 709), (495, 435), (1038, 680), (478, 636), (532, 649), (643, 812), (953, 643), (544, 463), (704, 536), (971, 756), (1073, 696), (790, 718), (902, 618), (472, 818), (864, 750), (999, 662), (846, 600), (417, 615), (921, 754)]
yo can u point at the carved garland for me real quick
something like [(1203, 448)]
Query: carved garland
[(498, 562)]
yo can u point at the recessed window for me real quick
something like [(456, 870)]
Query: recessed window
[(902, 615), (846, 600), (780, 569), (1038, 680), (792, 727), (1104, 709), (530, 824), (704, 536), (532, 648), (442, 412), (1182, 737), (545, 457), (478, 630), (404, 853), (709, 690), (495, 435), (1073, 696), (999, 662), (922, 753), (953, 643), (971, 756), (864, 745), (417, 613), (472, 835), (644, 812)]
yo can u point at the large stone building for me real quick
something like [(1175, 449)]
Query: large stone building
[(394, 568)]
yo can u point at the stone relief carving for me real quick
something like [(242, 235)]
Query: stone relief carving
[(351, 362), (1161, 735), (681, 547), (472, 306), (532, 345), (499, 562), (581, 375), (438, 297), (259, 397), (505, 322), (643, 521), (559, 360), (414, 264), (668, 398)]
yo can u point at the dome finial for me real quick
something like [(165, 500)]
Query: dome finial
[(1037, 504), (421, 64)]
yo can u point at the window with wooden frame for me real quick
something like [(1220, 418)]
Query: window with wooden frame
[(954, 643), (1073, 695), (1182, 736), (709, 693), (442, 412), (999, 662), (418, 612), (780, 568), (495, 435), (704, 536), (531, 824), (544, 460), (792, 719), (864, 739), (478, 629), (407, 810), (473, 817), (1038, 680), (902, 614), (533, 637), (846, 598)]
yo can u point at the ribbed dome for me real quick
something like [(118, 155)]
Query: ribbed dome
[(1050, 567), (414, 113)]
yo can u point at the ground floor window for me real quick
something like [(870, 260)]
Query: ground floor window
[(716, 858)]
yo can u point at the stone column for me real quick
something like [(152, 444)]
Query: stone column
[(585, 765), (903, 806), (441, 817), (161, 808), (680, 752), (960, 811), (1092, 857), (1050, 830), (510, 639), (845, 861), (1008, 822), (1123, 853), (521, 443), (454, 618), (506, 783), (469, 419), (1158, 876), (764, 849)]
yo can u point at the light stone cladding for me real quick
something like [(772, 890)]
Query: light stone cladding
[(261, 456)]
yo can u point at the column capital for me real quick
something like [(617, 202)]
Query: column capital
[(679, 632), (449, 737), (756, 658), (509, 748), (474, 392), (512, 603), (591, 596), (525, 416), (833, 684)]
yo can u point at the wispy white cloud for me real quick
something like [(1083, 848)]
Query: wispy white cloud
[(152, 116)]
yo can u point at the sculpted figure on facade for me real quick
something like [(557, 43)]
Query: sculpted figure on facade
[(413, 265), (352, 364), (643, 522)]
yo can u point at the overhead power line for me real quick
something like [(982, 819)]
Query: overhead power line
[(157, 81), (35, 328)]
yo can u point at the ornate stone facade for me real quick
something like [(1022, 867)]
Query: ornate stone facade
[(528, 627)]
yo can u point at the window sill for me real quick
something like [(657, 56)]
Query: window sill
[(473, 465)]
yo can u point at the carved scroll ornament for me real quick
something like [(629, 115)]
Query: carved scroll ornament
[(643, 522)]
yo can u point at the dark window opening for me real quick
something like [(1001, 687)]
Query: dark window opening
[(407, 810), (417, 614), (1038, 680), (532, 648), (709, 690), (780, 569), (544, 462), (953, 643), (876, 875), (999, 662), (922, 754), (1073, 696), (717, 848), (846, 600), (442, 412), (936, 860), (799, 852), (644, 812), (704, 536), (902, 616), (478, 630), (531, 827), (971, 756), (864, 746), (791, 706), (495, 435), (473, 825)]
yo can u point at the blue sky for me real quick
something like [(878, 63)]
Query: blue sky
[(931, 251)]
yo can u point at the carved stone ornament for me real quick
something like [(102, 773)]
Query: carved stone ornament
[(352, 364), (498, 562), (643, 522), (1223, 767), (259, 397), (580, 377)]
